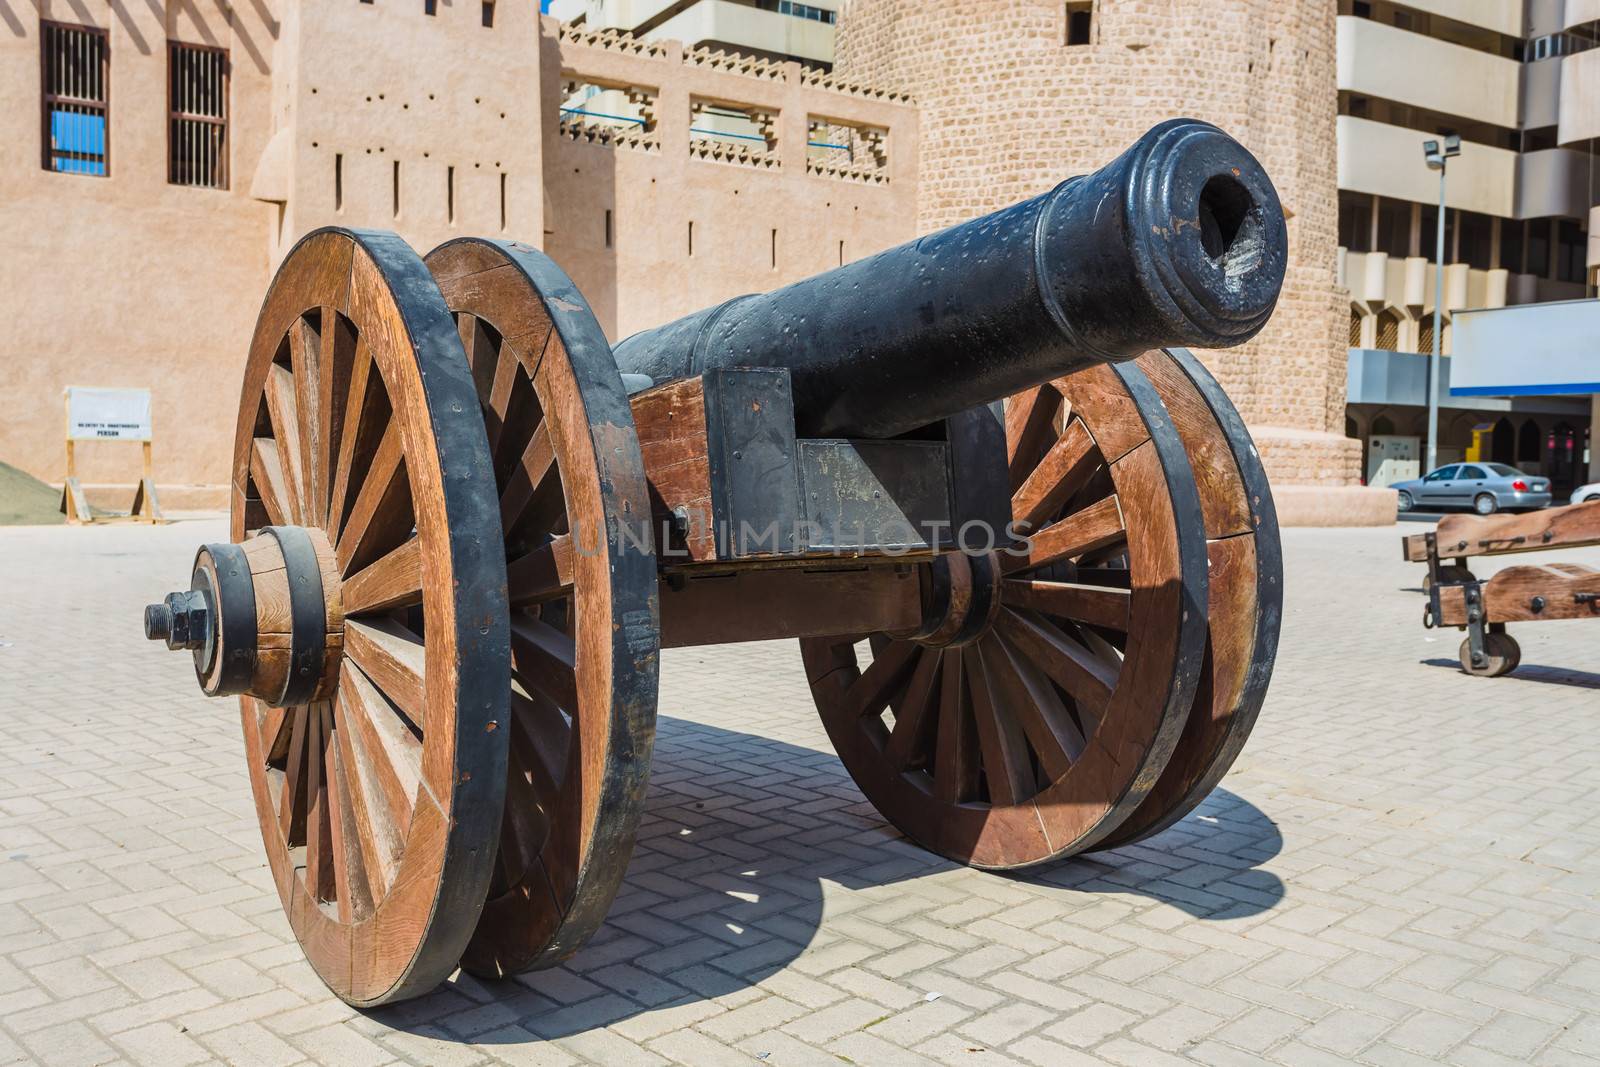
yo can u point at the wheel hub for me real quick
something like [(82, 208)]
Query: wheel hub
[(960, 599), (262, 618)]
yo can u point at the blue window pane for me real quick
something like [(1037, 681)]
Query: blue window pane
[(77, 136)]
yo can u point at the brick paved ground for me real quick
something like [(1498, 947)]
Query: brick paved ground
[(1402, 869)]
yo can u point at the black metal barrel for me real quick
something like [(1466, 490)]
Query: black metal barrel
[(1178, 241)]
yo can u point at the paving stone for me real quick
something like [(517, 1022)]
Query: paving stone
[(1395, 872)]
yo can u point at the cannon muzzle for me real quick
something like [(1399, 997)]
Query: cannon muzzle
[(1178, 241)]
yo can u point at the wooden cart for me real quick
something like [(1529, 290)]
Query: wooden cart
[(1532, 593), (460, 542)]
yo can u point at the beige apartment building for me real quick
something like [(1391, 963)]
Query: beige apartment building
[(1519, 82), (162, 157)]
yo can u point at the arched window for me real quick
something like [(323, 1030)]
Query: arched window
[(1528, 439), (1425, 336), (1504, 447), (1382, 426), (1562, 466), (1350, 429), (1389, 330)]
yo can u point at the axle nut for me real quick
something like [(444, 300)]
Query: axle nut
[(181, 620)]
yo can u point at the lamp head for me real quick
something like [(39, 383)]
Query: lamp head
[(1431, 153)]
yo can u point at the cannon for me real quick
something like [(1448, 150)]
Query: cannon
[(1021, 535)]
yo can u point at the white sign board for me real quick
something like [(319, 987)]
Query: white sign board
[(1528, 349), (108, 414)]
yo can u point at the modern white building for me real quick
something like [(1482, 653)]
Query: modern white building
[(770, 29), (1519, 82)]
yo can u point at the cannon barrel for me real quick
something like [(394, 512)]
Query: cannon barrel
[(1180, 240)]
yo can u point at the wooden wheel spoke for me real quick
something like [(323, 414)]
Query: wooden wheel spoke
[(914, 716), (319, 835), (1095, 527), (305, 359), (385, 744), (281, 406), (535, 465), (1064, 470), (266, 470), (391, 581), (544, 659), (542, 737), (526, 825), (335, 361), (1006, 766), (351, 887), (870, 693), (381, 517), (1096, 605), (1036, 705), (293, 801), (955, 774), (354, 416), (1087, 678), (482, 353), (1029, 426), (276, 731), (391, 658), (380, 808), (543, 574), (506, 369)]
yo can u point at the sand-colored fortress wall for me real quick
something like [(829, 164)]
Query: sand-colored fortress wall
[(765, 208), (609, 152), (126, 279)]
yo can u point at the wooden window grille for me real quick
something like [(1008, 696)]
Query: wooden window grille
[(1355, 329), (75, 75), (197, 106)]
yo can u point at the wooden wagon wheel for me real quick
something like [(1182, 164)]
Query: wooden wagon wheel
[(585, 629), (379, 797), (1041, 712), (1245, 590)]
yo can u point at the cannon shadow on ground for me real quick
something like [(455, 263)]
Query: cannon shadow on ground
[(747, 839), (1535, 672)]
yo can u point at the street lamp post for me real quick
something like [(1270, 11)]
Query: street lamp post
[(1437, 158)]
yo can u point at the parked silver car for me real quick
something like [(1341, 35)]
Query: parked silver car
[(1484, 487), (1585, 493)]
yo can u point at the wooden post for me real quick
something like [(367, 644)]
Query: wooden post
[(73, 503), (145, 506)]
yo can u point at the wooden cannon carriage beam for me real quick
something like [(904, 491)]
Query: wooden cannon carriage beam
[(1517, 594), (459, 546)]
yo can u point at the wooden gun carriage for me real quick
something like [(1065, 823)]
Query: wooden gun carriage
[(1530, 593), (1024, 540)]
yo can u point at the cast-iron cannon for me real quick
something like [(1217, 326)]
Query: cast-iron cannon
[(1022, 536)]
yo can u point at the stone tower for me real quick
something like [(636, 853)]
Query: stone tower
[(1010, 105)]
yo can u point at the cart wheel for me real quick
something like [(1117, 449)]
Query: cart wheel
[(1037, 715), (379, 802), (585, 628), (1501, 650), (1245, 590)]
